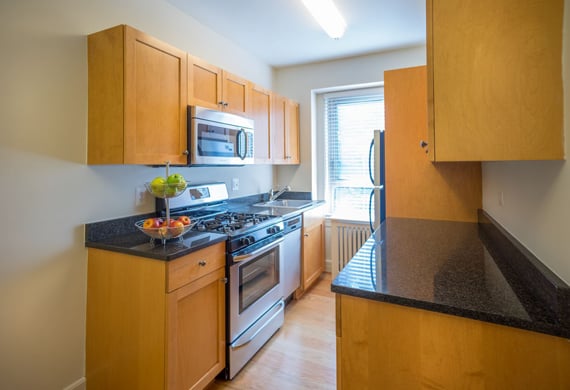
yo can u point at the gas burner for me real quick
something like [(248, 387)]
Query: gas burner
[(237, 223)]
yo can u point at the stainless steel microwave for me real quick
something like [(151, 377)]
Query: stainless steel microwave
[(219, 138)]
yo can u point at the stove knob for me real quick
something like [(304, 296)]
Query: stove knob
[(273, 229), (248, 240)]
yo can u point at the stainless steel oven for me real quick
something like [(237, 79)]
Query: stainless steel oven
[(254, 250), (255, 300)]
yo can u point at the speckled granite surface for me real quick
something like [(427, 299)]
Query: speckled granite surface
[(458, 268), (121, 235)]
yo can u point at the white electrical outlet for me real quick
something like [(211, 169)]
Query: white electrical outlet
[(140, 195), (235, 184)]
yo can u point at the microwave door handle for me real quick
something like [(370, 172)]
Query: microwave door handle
[(241, 154)]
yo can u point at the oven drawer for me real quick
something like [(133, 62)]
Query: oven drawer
[(195, 265)]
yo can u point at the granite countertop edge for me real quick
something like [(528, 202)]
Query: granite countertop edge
[(166, 255), (537, 326)]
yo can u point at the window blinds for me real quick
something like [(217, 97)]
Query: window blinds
[(349, 124)]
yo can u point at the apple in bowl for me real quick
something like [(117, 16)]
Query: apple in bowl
[(185, 220)]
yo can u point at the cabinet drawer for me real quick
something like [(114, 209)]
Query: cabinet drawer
[(195, 265)]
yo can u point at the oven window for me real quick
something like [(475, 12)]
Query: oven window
[(257, 277)]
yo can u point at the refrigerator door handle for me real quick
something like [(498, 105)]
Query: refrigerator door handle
[(370, 211), (370, 161)]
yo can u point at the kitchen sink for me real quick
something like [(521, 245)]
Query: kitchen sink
[(286, 203)]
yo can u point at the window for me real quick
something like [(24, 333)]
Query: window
[(350, 119)]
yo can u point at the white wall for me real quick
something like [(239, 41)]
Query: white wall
[(48, 193), (536, 194), (297, 82)]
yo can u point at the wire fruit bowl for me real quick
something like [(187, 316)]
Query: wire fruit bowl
[(165, 190), (164, 232)]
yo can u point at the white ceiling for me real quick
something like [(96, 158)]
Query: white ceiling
[(282, 33)]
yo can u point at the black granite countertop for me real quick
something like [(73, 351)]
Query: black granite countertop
[(472, 270), (121, 235)]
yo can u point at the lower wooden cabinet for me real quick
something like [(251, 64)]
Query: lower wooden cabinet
[(313, 248), (155, 324), (196, 332), (386, 346)]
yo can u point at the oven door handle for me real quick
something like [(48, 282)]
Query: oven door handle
[(279, 308), (240, 258)]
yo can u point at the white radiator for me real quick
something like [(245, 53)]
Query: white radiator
[(346, 239)]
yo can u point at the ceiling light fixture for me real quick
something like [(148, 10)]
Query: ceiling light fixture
[(328, 16)]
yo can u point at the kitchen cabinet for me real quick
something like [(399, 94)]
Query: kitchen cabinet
[(137, 99), (495, 89), (416, 187), (212, 87), (285, 131), (313, 248), (154, 324), (261, 114), (382, 345)]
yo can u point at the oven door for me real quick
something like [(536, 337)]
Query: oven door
[(254, 285)]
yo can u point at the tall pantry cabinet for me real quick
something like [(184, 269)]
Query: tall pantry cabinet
[(415, 186)]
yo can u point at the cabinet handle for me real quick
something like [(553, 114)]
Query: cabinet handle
[(221, 103), (186, 152), (225, 104), (202, 263), (306, 234), (424, 144)]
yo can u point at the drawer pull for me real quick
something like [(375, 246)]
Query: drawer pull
[(202, 263)]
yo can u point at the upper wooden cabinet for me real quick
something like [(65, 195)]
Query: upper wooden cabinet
[(137, 99), (495, 80), (261, 114), (285, 131), (212, 87)]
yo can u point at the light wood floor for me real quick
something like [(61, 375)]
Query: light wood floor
[(301, 355)]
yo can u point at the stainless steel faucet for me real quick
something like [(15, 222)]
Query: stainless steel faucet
[(273, 195)]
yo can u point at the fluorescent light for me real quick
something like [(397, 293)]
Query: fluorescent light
[(328, 16)]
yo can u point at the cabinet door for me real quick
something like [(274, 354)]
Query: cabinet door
[(313, 254), (278, 151), (495, 90), (196, 332), (155, 101), (204, 84), (261, 114), (235, 94), (292, 132)]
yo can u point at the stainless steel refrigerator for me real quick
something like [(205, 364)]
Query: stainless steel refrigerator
[(377, 172)]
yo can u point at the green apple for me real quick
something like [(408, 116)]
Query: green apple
[(177, 181), (157, 185)]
